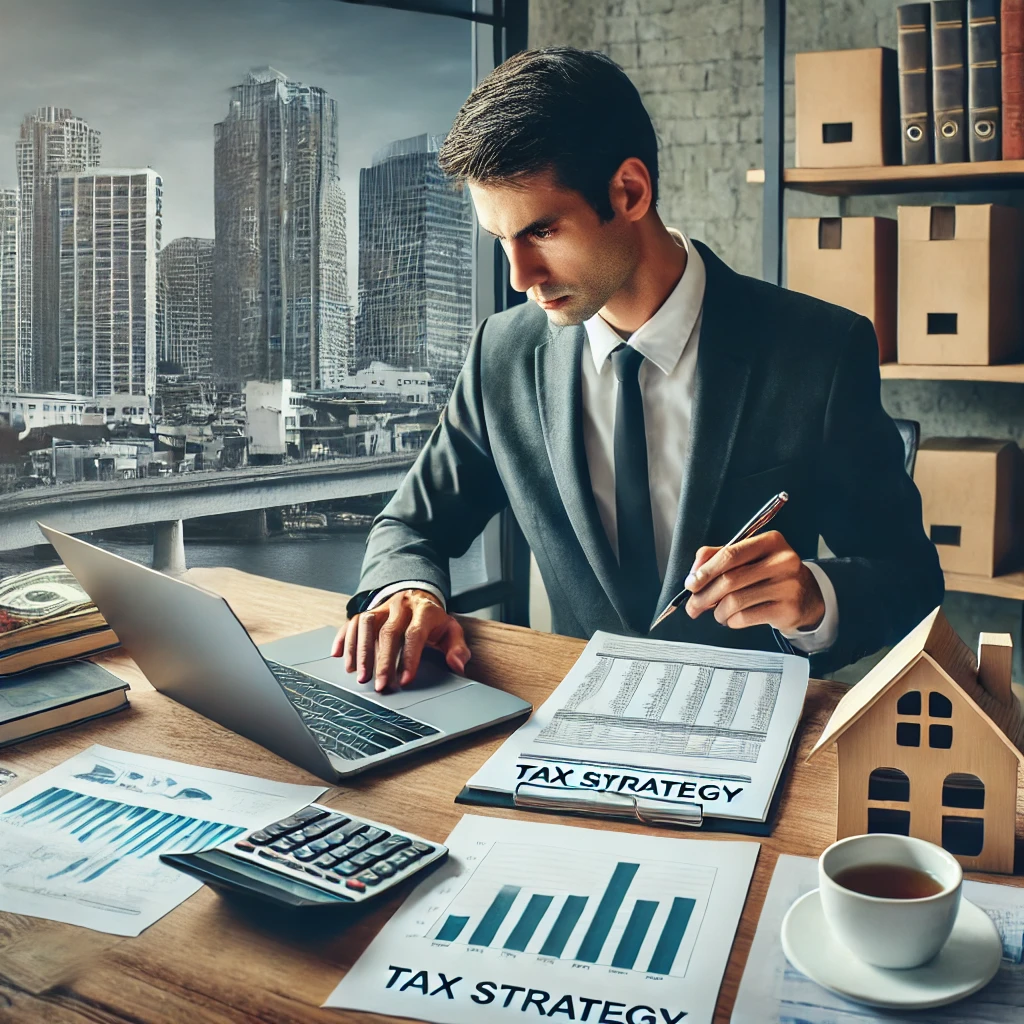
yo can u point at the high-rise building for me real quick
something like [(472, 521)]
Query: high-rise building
[(13, 369), (185, 305), (280, 289), (109, 239), (52, 141), (415, 262)]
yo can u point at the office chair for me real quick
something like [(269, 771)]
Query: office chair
[(910, 431)]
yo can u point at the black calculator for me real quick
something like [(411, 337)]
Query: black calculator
[(316, 857)]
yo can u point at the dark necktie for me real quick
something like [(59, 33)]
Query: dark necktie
[(638, 560)]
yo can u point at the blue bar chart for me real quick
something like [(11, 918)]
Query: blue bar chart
[(632, 921), (105, 832)]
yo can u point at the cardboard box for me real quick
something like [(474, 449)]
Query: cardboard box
[(847, 108), (959, 275), (967, 492), (850, 261)]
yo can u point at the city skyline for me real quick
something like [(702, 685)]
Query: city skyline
[(393, 75)]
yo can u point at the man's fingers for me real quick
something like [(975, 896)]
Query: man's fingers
[(733, 555), (412, 648), (351, 631), (732, 580), (703, 555), (453, 644), (339, 640), (366, 644), (390, 639), (762, 602)]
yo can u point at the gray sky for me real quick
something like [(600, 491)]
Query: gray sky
[(153, 77)]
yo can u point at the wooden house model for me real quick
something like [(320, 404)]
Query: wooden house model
[(929, 743)]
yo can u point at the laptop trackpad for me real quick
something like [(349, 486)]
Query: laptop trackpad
[(310, 653)]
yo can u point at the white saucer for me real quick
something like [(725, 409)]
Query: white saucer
[(967, 962)]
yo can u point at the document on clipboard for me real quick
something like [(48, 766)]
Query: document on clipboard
[(654, 730)]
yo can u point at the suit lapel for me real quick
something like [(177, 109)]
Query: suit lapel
[(560, 400), (720, 390)]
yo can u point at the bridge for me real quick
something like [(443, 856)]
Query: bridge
[(168, 500)]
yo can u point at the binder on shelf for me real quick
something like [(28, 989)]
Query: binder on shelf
[(915, 66), (1012, 32), (949, 80), (984, 79)]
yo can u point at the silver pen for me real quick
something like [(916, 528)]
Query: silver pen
[(760, 518)]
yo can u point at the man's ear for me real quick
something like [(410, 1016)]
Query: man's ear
[(629, 191)]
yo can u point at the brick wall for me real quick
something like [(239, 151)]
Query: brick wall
[(698, 65)]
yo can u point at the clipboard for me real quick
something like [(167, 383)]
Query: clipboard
[(626, 807)]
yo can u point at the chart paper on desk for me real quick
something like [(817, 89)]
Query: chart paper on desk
[(81, 842), (529, 919), (773, 992), (665, 720)]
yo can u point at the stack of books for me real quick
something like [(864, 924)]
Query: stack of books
[(46, 618), (961, 66)]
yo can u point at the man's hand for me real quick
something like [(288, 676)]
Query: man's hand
[(757, 581), (402, 625)]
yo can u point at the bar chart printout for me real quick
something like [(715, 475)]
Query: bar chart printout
[(566, 914), (81, 843), (518, 914)]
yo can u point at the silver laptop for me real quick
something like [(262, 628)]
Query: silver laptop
[(290, 695)]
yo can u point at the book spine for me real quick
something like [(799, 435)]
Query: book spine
[(949, 80), (1012, 18), (915, 64), (984, 79)]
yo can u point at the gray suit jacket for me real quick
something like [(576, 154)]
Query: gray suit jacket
[(786, 398)]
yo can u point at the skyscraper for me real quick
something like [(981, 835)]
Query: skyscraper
[(280, 290), (109, 239), (13, 374), (52, 141), (185, 305), (415, 262)]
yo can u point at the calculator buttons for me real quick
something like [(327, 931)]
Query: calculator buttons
[(331, 849)]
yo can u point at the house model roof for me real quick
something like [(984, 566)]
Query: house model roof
[(933, 640)]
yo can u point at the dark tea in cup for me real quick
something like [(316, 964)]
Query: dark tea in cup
[(889, 881)]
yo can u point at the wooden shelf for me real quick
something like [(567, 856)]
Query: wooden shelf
[(1009, 585), (853, 181), (1009, 373)]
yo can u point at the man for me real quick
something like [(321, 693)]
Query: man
[(638, 411)]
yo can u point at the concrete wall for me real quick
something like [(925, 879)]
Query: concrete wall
[(698, 65)]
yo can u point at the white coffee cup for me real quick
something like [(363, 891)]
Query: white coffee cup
[(888, 932)]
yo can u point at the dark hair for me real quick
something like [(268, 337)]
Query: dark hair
[(571, 111)]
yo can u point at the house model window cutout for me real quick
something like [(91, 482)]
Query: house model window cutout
[(929, 743)]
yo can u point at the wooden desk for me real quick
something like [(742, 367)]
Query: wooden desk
[(213, 960)]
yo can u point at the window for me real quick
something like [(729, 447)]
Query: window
[(884, 819), (909, 703), (964, 837), (963, 790), (328, 156), (888, 784), (908, 734)]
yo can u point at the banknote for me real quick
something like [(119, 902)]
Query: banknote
[(41, 594)]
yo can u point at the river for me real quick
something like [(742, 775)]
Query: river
[(328, 562)]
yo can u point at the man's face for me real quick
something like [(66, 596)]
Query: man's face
[(559, 251)]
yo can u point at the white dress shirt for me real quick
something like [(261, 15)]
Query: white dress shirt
[(669, 342)]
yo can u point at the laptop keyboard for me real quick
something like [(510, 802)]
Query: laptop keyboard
[(346, 724)]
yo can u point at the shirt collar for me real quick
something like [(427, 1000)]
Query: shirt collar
[(664, 337)]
